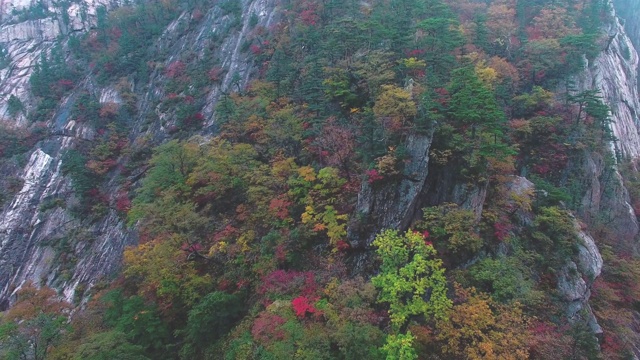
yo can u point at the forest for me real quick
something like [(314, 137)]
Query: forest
[(255, 240)]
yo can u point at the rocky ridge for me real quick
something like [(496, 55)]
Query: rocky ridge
[(29, 231)]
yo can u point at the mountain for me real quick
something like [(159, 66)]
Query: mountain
[(230, 175)]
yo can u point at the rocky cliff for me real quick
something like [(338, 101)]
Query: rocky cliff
[(49, 245)]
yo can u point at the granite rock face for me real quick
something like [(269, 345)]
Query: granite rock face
[(391, 203), (48, 244)]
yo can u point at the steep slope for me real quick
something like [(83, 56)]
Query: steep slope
[(248, 197), (52, 246)]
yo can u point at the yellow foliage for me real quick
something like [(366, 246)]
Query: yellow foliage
[(308, 214), (220, 247), (413, 63), (163, 272), (394, 107), (394, 102), (245, 239), (478, 328), (307, 173), (487, 75), (387, 165)]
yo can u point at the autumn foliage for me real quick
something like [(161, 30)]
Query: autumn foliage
[(255, 236)]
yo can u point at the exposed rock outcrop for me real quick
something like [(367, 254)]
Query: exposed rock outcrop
[(575, 280), (392, 204), (613, 72), (40, 239), (26, 39)]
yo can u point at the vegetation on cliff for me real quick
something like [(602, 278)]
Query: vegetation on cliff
[(243, 250)]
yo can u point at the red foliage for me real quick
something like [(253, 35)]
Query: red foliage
[(611, 344), (215, 74), (97, 196), (197, 15), (255, 49), (309, 17), (334, 145), (65, 83), (109, 110), (175, 69), (224, 285), (280, 206), (443, 96), (114, 34), (123, 204), (193, 120), (501, 230), (281, 282), (310, 286), (302, 305), (281, 253), (266, 328), (226, 233), (415, 53), (191, 247), (552, 158), (309, 14), (342, 245), (620, 288), (241, 284), (373, 176), (534, 33), (539, 327), (61, 86)]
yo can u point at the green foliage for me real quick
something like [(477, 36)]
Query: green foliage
[(209, 320), (5, 57), (231, 7), (31, 338), (342, 87), (161, 272), (14, 106), (452, 228), (442, 37), (139, 322), (410, 271), (110, 345), (473, 104), (16, 141), (120, 42), (550, 194), (36, 10), (399, 347), (554, 235), (50, 80), (505, 279), (34, 324), (171, 164), (73, 165)]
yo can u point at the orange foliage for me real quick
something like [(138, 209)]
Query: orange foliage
[(33, 301), (479, 328)]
